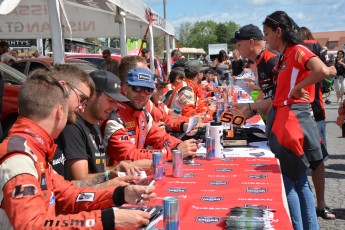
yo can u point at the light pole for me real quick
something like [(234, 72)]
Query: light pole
[(167, 45)]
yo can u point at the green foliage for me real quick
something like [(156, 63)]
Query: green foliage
[(200, 34)]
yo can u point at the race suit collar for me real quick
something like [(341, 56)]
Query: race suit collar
[(37, 135)]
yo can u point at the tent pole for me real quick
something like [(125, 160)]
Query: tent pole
[(167, 54), (152, 66), (123, 38), (56, 32)]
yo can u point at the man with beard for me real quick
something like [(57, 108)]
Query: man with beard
[(32, 195), (132, 128), (82, 141), (80, 87)]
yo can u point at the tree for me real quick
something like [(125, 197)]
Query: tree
[(183, 33), (200, 34)]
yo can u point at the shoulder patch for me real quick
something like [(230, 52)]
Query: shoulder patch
[(9, 169), (19, 144)]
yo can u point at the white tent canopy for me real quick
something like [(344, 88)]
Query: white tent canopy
[(79, 19)]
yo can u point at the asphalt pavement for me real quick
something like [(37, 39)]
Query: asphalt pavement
[(334, 169)]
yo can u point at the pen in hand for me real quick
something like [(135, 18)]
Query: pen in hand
[(142, 195)]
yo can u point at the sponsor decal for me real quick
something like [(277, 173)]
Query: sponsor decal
[(117, 86), (259, 176), (207, 219), (142, 141), (52, 199), (43, 182), (188, 175), (177, 190), (299, 56), (124, 138), (259, 154), (86, 197), (256, 190), (143, 125), (258, 165), (194, 164), (166, 144), (71, 222), (212, 198), (223, 170), (218, 182), (98, 161), (144, 77), (24, 190), (131, 133), (60, 160), (92, 138)]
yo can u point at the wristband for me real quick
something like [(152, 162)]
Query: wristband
[(106, 175)]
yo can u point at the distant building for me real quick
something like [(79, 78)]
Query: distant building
[(334, 40)]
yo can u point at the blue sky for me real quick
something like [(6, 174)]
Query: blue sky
[(317, 15)]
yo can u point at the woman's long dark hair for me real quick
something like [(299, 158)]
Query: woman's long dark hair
[(288, 25), (221, 55)]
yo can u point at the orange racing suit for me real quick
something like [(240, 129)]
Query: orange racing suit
[(32, 194)]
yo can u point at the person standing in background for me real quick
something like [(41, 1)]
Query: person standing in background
[(109, 63), (339, 83), (145, 52), (318, 175)]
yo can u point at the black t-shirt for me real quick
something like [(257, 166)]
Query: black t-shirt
[(265, 64), (237, 67), (83, 140), (154, 63)]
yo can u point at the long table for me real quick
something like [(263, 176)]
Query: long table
[(208, 189)]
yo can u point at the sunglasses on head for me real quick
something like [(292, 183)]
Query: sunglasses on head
[(139, 89)]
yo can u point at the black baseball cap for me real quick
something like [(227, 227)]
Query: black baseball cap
[(108, 83), (247, 32), (194, 66)]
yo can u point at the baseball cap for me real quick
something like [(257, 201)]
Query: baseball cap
[(140, 77), (108, 83), (247, 32), (194, 66), (179, 63), (32, 49)]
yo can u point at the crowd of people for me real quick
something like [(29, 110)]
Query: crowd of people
[(76, 131)]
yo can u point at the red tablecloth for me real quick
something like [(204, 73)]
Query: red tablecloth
[(210, 188)]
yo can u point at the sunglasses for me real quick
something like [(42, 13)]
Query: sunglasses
[(139, 89), (105, 56), (83, 98)]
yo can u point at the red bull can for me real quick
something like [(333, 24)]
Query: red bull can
[(157, 164), (171, 213), (210, 150), (177, 163)]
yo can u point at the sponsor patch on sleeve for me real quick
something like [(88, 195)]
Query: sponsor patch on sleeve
[(23, 190), (86, 197)]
